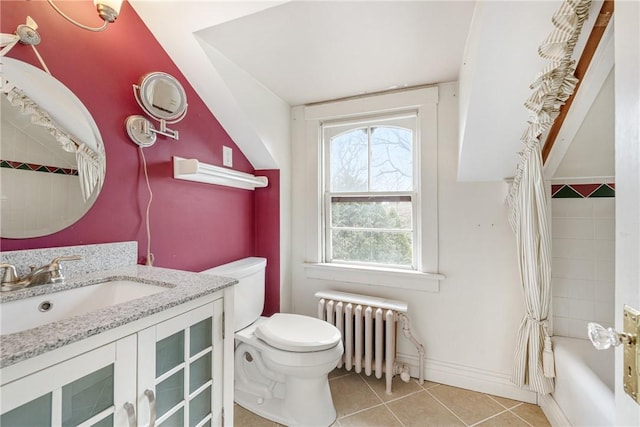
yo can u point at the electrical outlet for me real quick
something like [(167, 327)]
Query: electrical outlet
[(227, 156)]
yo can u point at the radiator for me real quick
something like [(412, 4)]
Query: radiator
[(369, 329)]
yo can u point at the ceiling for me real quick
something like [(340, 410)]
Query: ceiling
[(307, 52), (250, 61)]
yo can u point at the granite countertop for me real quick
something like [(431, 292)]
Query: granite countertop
[(182, 287)]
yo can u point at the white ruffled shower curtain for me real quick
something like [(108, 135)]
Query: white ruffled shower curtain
[(529, 210)]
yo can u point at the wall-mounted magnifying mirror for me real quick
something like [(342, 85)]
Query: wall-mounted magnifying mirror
[(163, 98), (51, 153)]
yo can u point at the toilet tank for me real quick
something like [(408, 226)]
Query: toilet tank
[(249, 292)]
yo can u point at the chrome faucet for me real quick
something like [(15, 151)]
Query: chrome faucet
[(48, 273)]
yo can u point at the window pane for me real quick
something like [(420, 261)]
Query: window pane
[(169, 353), (349, 157), (371, 214), (87, 396), (372, 246), (200, 407), (175, 420), (34, 413), (391, 159), (200, 336), (170, 392), (200, 372)]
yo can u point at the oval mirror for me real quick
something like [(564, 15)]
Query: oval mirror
[(162, 96), (51, 153)]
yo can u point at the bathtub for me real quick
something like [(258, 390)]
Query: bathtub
[(584, 382)]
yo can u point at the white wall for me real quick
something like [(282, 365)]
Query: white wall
[(583, 274), (469, 326)]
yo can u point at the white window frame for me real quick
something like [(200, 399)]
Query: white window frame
[(388, 120), (424, 101)]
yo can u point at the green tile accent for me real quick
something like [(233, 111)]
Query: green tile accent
[(24, 167), (567, 192), (4, 164), (604, 191)]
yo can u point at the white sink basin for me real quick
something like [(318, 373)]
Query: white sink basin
[(36, 311)]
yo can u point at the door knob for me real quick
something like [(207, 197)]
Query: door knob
[(603, 338)]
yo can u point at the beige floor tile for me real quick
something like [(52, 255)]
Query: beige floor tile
[(428, 384), (374, 417), (336, 373), (470, 406), (531, 414), (398, 387), (421, 409), (351, 394), (506, 419), (507, 403), (244, 418)]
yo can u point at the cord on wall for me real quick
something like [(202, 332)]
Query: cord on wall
[(146, 177)]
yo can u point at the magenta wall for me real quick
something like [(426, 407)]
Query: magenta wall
[(194, 226)]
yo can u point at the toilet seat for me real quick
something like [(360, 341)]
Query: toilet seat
[(297, 333)]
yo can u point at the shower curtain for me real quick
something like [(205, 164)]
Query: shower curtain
[(529, 211)]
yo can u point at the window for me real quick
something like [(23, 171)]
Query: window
[(370, 184), (365, 197)]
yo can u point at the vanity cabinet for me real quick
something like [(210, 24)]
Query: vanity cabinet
[(165, 374), (90, 390)]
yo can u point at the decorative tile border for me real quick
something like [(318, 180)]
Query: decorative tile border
[(582, 191), (10, 164)]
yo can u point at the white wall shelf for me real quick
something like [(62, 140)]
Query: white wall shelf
[(193, 170)]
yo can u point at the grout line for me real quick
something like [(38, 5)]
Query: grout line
[(526, 422), (504, 406), (394, 415), (446, 407), (492, 416), (361, 410)]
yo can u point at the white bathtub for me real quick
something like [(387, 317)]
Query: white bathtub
[(584, 382)]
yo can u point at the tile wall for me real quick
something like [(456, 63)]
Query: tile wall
[(583, 236)]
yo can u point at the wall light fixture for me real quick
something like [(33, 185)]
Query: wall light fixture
[(107, 9)]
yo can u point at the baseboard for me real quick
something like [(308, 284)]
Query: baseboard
[(553, 412), (468, 378)]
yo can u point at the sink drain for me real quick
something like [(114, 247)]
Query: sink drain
[(45, 306)]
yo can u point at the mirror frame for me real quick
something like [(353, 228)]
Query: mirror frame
[(145, 88)]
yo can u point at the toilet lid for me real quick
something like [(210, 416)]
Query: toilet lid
[(293, 332)]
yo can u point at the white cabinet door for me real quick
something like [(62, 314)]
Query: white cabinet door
[(88, 390), (180, 369)]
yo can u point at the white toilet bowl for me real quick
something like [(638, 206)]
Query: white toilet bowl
[(281, 369), (281, 362)]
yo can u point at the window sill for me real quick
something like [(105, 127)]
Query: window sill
[(392, 278)]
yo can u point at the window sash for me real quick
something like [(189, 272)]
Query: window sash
[(407, 119)]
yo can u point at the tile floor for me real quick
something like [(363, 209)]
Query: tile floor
[(362, 401)]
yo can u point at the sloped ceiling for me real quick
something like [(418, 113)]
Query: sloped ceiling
[(591, 153), (251, 61), (500, 63)]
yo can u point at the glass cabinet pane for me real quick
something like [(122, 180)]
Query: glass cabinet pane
[(34, 413), (169, 353), (105, 422), (87, 396), (200, 372), (200, 336), (175, 420), (200, 407), (170, 392)]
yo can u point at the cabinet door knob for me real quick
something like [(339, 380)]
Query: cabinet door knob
[(152, 406), (131, 414)]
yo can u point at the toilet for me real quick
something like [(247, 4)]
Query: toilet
[(282, 362)]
